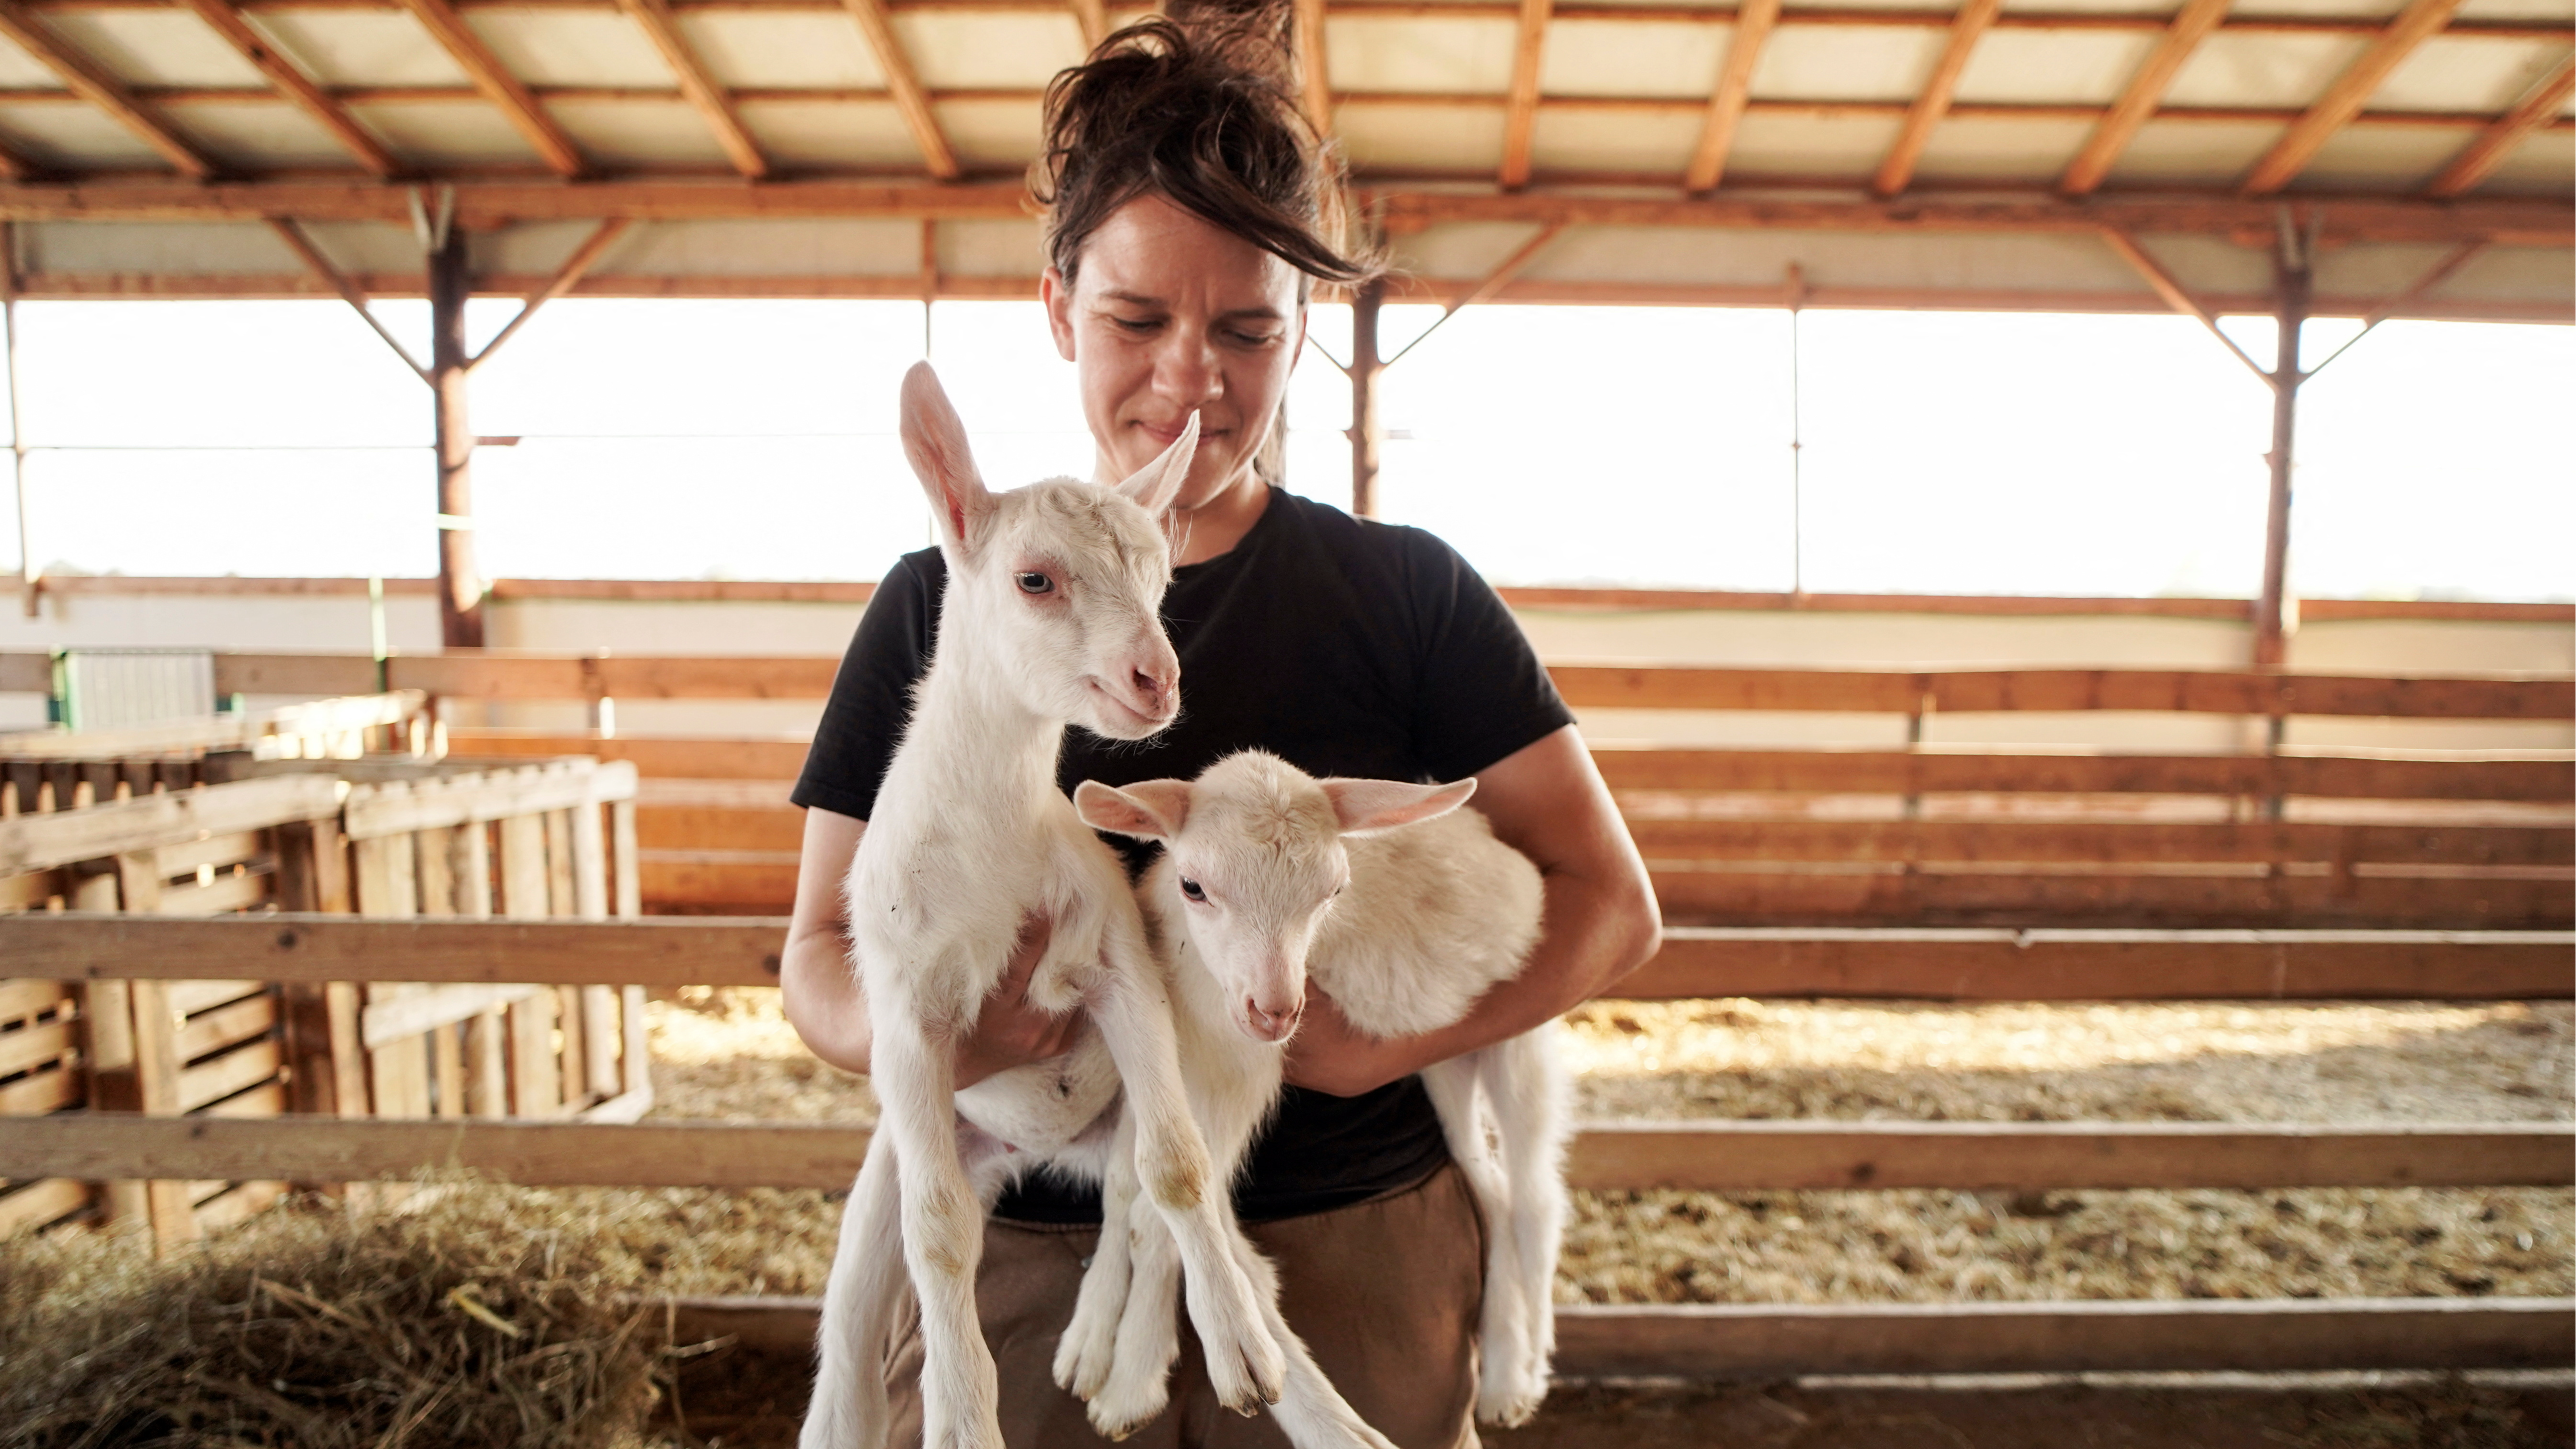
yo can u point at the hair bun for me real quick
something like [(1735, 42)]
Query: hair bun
[(1258, 36)]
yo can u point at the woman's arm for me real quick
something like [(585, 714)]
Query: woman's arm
[(820, 992), (1547, 801)]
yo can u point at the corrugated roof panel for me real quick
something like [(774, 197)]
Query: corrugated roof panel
[(1422, 138), (987, 50), (2263, 69), (2539, 166), (2378, 158), (56, 135), (2375, 271), (2551, 10), (540, 248), (640, 132), (2510, 273), (831, 133), (1846, 62), (2209, 153), (1811, 146), (359, 47), (447, 134), (570, 47), (1630, 58), (2467, 73), (179, 249), (2207, 263), (1614, 141), (1461, 252), (782, 48), (1388, 53), (991, 249), (991, 133), (1977, 150), (2161, 8), (2044, 67), (844, 247), (2320, 9), (21, 71), (258, 135), (366, 246), (154, 47)]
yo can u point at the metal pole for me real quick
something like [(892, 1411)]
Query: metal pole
[(2292, 276), (1368, 433), (460, 582), (1797, 442), (29, 580)]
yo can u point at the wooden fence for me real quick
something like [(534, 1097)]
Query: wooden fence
[(1915, 872)]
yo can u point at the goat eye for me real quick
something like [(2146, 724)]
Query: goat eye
[(1191, 889), (1034, 582)]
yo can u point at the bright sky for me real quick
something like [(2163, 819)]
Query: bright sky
[(1944, 452)]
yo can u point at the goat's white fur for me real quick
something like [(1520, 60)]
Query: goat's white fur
[(970, 835), (1404, 928)]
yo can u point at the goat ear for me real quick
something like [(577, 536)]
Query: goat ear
[(1148, 809), (1366, 807), (934, 438), (1154, 486)]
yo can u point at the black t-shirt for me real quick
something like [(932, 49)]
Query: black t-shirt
[(1345, 647)]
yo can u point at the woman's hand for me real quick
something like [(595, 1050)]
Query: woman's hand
[(821, 993)]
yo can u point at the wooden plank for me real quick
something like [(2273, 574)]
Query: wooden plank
[(384, 876), (572, 1061), (215, 851), (1715, 1156), (238, 890), (536, 1085), (505, 91), (487, 1073), (2420, 21), (773, 827), (447, 1072), (708, 98), (2541, 105), (523, 868), (41, 1092), (599, 1033), (394, 807), (186, 998), (470, 866), (329, 674), (390, 1021), (35, 1204), (397, 1072), (635, 1053), (158, 1089), (94, 84), (223, 18), (1895, 896), (1520, 108), (627, 875), (2102, 841), (236, 1202), (1932, 102), (234, 1071), (909, 96), (2065, 690), (55, 1043), (25, 998), (561, 896), (567, 276), (1754, 20), (2001, 965), (779, 759), (37, 842), (741, 881), (2143, 95), (434, 862), (652, 951), (2525, 776), (225, 1026)]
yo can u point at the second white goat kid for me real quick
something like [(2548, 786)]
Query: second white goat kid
[(1405, 909), (1050, 615)]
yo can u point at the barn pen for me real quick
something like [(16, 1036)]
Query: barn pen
[(2160, 990)]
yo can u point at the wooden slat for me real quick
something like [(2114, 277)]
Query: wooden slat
[(1896, 171), (2192, 24), (35, 842), (536, 1081), (1893, 896), (94, 84), (225, 20), (389, 1021), (337, 674), (400, 807), (1754, 20), (740, 881), (212, 1031), (187, 998), (2520, 777), (654, 951), (232, 1072), (35, 1204), (2420, 21), (41, 1092), (661, 26), (25, 998), (714, 758), (506, 92), (1314, 71), (1520, 112), (937, 156), (31, 1047), (1898, 841), (235, 891), (777, 827), (218, 851), (2537, 108), (1708, 1156)]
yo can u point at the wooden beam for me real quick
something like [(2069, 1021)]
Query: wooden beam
[(1896, 172), (2417, 23), (1093, 17), (505, 91), (1484, 291), (657, 951), (2538, 108), (2177, 296), (1758, 894), (909, 97), (1754, 20), (92, 83), (2194, 23), (1314, 66), (2434, 276), (147, 822), (489, 204), (2097, 841), (566, 277), (713, 105), (330, 276), (1694, 1157), (293, 84), (1520, 113)]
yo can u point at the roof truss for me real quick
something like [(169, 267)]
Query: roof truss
[(708, 99), (2194, 23), (91, 82), (2343, 100), (1734, 90), (1933, 101), (292, 84), (2482, 155), (905, 84), (502, 89)]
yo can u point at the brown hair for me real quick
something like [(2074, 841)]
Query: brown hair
[(1200, 108)]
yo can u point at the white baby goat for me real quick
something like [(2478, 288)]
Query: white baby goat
[(1050, 616), (1269, 874)]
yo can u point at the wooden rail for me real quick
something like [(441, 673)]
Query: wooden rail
[(1767, 1340), (1965, 964), (1695, 1156)]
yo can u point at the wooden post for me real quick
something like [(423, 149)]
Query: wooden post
[(29, 578), (2292, 278), (460, 581), (1368, 432)]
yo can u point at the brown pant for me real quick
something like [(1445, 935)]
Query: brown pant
[(1385, 1293)]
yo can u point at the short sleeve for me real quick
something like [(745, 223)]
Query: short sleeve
[(871, 697), (1482, 692)]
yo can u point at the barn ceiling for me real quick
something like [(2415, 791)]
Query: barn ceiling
[(1995, 153)]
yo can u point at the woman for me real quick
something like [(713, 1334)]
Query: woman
[(1190, 213)]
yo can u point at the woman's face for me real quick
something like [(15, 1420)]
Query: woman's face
[(1170, 315)]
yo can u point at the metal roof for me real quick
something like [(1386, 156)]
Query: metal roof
[(1885, 152)]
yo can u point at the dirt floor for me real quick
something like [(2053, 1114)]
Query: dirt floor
[(728, 1053)]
